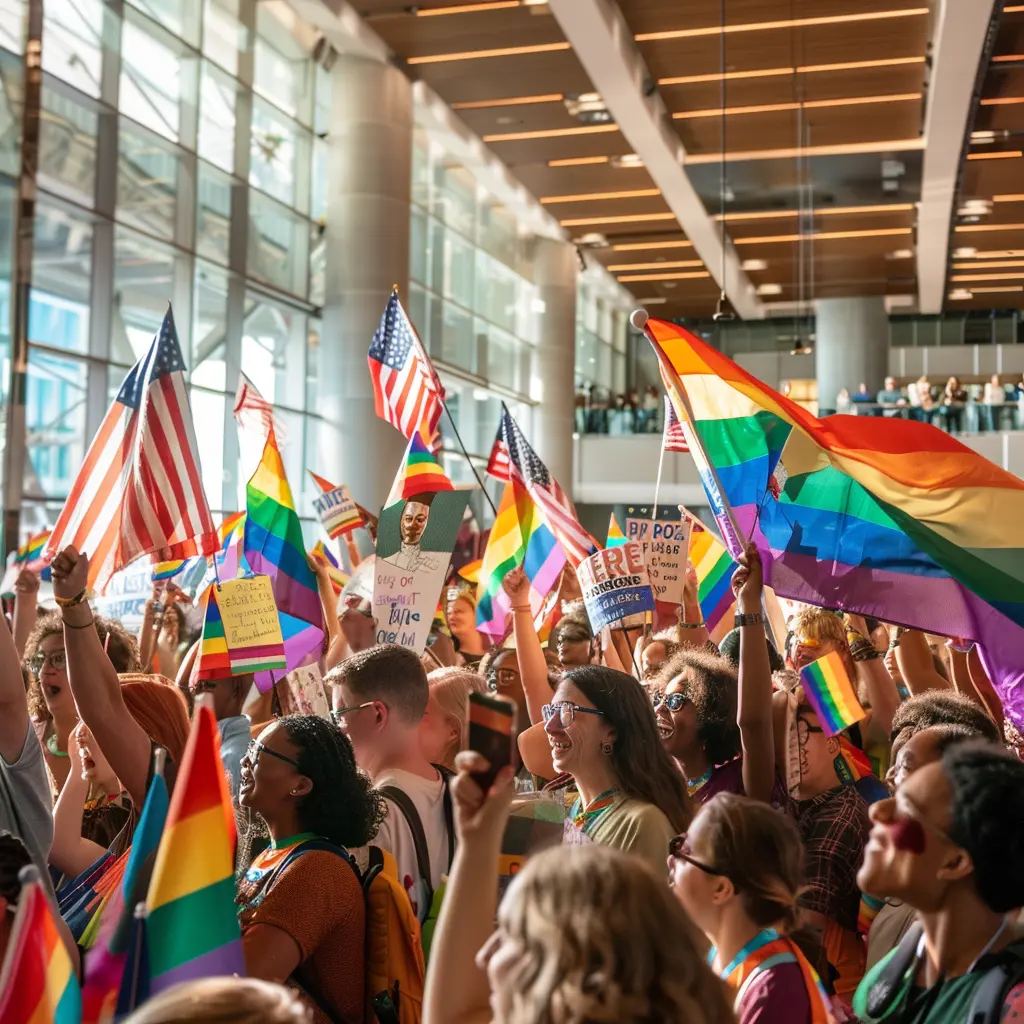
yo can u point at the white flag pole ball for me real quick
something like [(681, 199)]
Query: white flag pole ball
[(638, 318)]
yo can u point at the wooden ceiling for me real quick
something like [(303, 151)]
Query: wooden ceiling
[(849, 74), (986, 266)]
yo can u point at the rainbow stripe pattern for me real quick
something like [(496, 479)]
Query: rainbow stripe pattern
[(192, 922), (830, 692), (338, 576), (714, 568), (519, 536), (615, 535), (214, 662), (273, 546), (30, 554), (892, 519), (168, 570), (343, 514), (420, 472), (37, 984)]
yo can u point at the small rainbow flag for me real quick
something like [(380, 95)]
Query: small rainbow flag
[(168, 570), (615, 535), (714, 567), (37, 984), (338, 512), (338, 577), (214, 662), (30, 554), (420, 472), (470, 572), (192, 922), (830, 692)]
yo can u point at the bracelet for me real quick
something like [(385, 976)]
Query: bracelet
[(522, 608), (863, 655), (690, 625), (960, 648), (70, 602), (748, 619), (85, 625)]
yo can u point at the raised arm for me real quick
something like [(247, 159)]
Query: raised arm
[(70, 852), (914, 657), (691, 628), (337, 649), (13, 700), (880, 686), (754, 703), (94, 682), (533, 669), (26, 597)]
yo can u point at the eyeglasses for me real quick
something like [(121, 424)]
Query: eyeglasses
[(503, 679), (255, 749), (58, 661), (566, 712), (338, 716), (679, 848), (673, 701)]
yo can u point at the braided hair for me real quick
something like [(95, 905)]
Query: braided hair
[(342, 806), (13, 857)]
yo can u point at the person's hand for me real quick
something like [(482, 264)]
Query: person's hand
[(858, 624), (569, 586), (689, 610), (70, 573), (480, 815), (27, 583), (516, 585), (748, 582)]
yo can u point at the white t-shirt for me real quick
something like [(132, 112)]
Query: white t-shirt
[(395, 836)]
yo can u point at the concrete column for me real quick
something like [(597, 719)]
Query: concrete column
[(555, 357), (367, 251), (851, 345)]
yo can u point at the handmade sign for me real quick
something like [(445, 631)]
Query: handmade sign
[(665, 544), (126, 595), (615, 586), (336, 508), (302, 692), (251, 625)]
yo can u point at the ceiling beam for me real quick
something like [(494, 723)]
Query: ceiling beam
[(605, 47), (959, 43)]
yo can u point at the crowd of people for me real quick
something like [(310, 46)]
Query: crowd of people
[(712, 853), (599, 411)]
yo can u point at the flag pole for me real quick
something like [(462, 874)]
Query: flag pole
[(458, 438), (657, 485)]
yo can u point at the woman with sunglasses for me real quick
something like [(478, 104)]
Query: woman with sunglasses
[(303, 914), (601, 731), (737, 872)]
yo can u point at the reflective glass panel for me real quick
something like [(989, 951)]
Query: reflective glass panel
[(147, 180), (217, 94), (54, 422)]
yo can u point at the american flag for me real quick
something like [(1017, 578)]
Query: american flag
[(406, 390), (673, 439), (497, 464), (139, 490), (253, 412), (526, 467)]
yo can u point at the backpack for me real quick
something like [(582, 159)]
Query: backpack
[(395, 969), (419, 838), (987, 1004)]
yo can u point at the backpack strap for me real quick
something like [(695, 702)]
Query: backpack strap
[(404, 803), (885, 988), (991, 993), (449, 814)]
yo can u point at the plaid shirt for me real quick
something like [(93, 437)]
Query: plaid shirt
[(834, 828)]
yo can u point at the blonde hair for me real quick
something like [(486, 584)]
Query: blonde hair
[(222, 1001), (603, 940), (451, 687), (818, 624)]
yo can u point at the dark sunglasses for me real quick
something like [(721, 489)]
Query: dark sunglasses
[(673, 702), (677, 847)]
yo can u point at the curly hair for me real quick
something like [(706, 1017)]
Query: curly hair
[(760, 852), (342, 806), (711, 685), (985, 819), (121, 647), (643, 768), (603, 939), (942, 707)]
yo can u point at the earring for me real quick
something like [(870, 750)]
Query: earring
[(295, 792), (607, 748)]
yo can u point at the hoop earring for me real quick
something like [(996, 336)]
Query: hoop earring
[(607, 748)]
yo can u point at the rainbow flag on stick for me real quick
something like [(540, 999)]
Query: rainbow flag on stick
[(37, 983), (714, 568), (420, 473), (615, 535), (30, 554), (214, 662), (830, 692), (192, 922), (338, 577)]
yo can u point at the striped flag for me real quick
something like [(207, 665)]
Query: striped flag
[(419, 473), (497, 464), (673, 439), (139, 490), (253, 412), (526, 468), (406, 390)]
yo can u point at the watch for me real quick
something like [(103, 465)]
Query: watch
[(750, 619)]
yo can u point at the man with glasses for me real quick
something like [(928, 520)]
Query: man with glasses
[(380, 696)]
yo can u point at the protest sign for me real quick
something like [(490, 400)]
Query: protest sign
[(302, 692), (126, 594), (338, 511), (615, 586), (415, 538), (252, 627), (665, 544)]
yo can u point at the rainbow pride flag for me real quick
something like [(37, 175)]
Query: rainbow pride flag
[(830, 692), (192, 921), (30, 554), (615, 535), (519, 536), (714, 570), (420, 472), (168, 570), (214, 662), (338, 576), (888, 518), (273, 546), (38, 984)]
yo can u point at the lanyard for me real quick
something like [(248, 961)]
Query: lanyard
[(759, 940), (584, 816), (299, 837)]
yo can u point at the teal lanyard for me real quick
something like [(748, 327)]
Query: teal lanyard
[(759, 940)]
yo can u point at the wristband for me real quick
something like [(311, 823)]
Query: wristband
[(70, 602), (865, 655), (85, 625), (748, 619), (521, 608), (690, 625)]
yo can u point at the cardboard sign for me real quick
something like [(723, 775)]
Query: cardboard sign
[(415, 539), (665, 544), (126, 595), (338, 511), (252, 628), (615, 586), (302, 692)]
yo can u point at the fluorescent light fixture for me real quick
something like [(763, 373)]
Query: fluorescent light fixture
[(769, 289), (959, 295), (1001, 288), (684, 276), (1007, 58), (1002, 101), (853, 65), (824, 211), (504, 51), (995, 265), (769, 108), (989, 227), (662, 265), (433, 12), (826, 235), (900, 254), (653, 300), (1017, 197), (1003, 154), (552, 133), (513, 101), (588, 197), (749, 265), (632, 218), (842, 149), (806, 69), (987, 277), (964, 253), (644, 246), (578, 161), (626, 161)]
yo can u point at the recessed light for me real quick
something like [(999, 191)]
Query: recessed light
[(959, 295), (769, 289), (755, 264), (626, 160), (899, 254), (964, 253)]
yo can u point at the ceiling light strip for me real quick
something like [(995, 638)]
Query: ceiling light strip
[(855, 65), (587, 197), (826, 211), (824, 235), (513, 101), (1002, 101), (841, 149), (504, 51), (1014, 197), (996, 265), (686, 276), (433, 12), (552, 133), (769, 108), (1004, 154), (804, 69), (998, 288), (665, 265), (765, 26), (989, 227), (645, 246), (579, 222), (1006, 58), (987, 277), (578, 161)]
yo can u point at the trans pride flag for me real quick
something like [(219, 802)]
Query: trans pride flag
[(888, 518)]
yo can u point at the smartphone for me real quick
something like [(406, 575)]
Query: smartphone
[(491, 732)]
